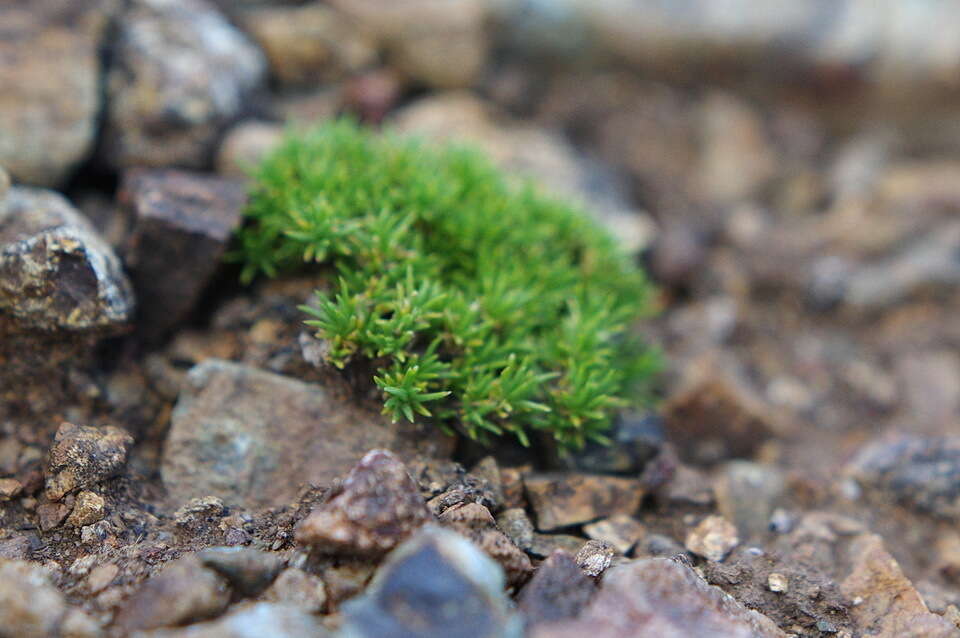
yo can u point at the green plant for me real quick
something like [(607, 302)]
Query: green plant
[(480, 302)]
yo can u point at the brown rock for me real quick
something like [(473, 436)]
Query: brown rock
[(376, 508), (298, 588), (253, 437), (30, 606), (544, 545), (87, 509), (621, 531), (82, 456), (562, 500), (101, 576), (713, 538), (49, 62), (345, 580), (594, 558), (245, 146), (9, 488), (184, 591), (659, 597), (249, 571), (51, 515), (182, 223), (477, 523), (558, 590), (517, 526)]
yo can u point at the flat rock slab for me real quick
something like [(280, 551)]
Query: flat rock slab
[(563, 500), (253, 438)]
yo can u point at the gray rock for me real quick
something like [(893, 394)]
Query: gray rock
[(182, 223), (252, 437), (249, 571), (558, 590), (435, 584), (180, 73), (659, 597), (747, 494), (636, 439), (251, 621), (49, 63), (298, 588), (56, 273), (30, 606)]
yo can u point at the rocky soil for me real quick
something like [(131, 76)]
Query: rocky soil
[(176, 460)]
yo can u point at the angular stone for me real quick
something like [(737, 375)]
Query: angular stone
[(51, 515), (475, 522), (249, 571), (88, 508), (49, 62), (376, 508), (921, 473), (434, 581), (621, 531), (562, 500), (517, 526), (299, 589), (659, 597), (253, 437), (82, 456), (9, 488), (594, 558), (56, 273), (713, 538), (183, 591), (180, 72), (255, 620), (558, 590), (182, 223), (30, 606)]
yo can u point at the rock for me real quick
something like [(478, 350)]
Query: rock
[(245, 146), (183, 591), (889, 605), (51, 515), (9, 488), (87, 509), (299, 589), (621, 531), (920, 473), (56, 273), (251, 621), (778, 583), (249, 571), (659, 597), (30, 606), (82, 456), (4, 184), (594, 558), (179, 73), (345, 580), (434, 42), (636, 440), (558, 590), (713, 538), (182, 223), (544, 545), (747, 495), (376, 508), (15, 547), (714, 415), (101, 577), (517, 526), (49, 62), (253, 437), (309, 45), (434, 581), (562, 500), (475, 522)]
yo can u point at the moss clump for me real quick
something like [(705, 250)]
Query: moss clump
[(480, 302)]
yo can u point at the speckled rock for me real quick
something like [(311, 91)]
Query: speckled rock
[(558, 590), (713, 538), (49, 62), (515, 523), (434, 581), (249, 571), (252, 437), (180, 72), (376, 508), (251, 621), (82, 456), (475, 522), (621, 531), (562, 500), (659, 597), (88, 508), (595, 557)]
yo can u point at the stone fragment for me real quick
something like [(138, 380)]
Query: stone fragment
[(777, 583), (56, 273), (49, 62), (249, 571), (245, 146), (179, 73), (544, 545), (660, 597), (747, 494), (921, 473), (376, 508), (181, 225), (15, 547), (30, 606), (51, 515), (594, 558), (9, 488), (82, 456), (434, 581), (345, 580), (713, 538), (251, 621), (562, 500), (252, 437), (515, 523), (558, 590), (183, 591), (299, 589), (309, 45), (88, 508), (621, 531), (475, 522), (101, 577)]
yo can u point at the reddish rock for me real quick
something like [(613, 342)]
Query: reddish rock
[(562, 500), (477, 523), (371, 512)]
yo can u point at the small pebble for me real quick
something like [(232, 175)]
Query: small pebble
[(777, 583)]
